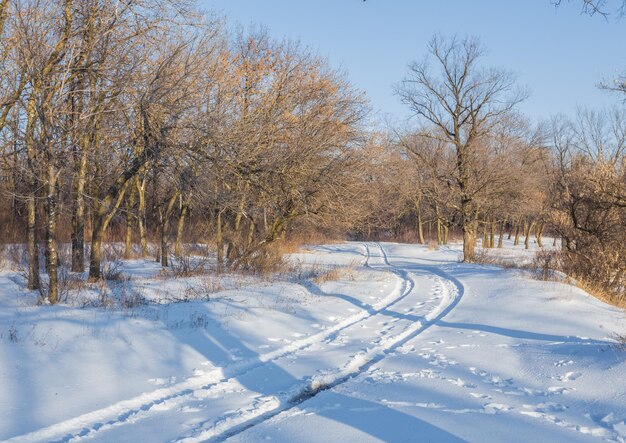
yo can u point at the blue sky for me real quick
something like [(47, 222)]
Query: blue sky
[(559, 54)]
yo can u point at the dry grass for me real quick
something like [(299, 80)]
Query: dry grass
[(549, 265), (333, 274), (600, 292), (432, 245)]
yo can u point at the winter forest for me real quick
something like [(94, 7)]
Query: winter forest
[(168, 179)]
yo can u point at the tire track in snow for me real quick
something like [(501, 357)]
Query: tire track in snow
[(121, 412), (264, 408)]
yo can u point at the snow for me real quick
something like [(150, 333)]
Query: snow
[(408, 344)]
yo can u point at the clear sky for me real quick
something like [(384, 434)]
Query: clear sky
[(559, 54)]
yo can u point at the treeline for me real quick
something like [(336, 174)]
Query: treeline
[(148, 123), (144, 113)]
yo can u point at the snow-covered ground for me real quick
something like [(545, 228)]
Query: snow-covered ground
[(405, 344)]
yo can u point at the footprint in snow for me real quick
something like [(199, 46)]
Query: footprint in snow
[(500, 382), (569, 376), (478, 372), (559, 390), (561, 363), (494, 408), (546, 407), (461, 383), (163, 406), (479, 395)]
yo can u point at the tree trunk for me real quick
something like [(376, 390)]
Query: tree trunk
[(130, 204), (468, 243), (78, 213), (492, 233), (420, 230), (250, 238), (437, 214), (180, 229), (485, 236), (51, 242), (439, 236), (539, 235), (501, 235), (517, 232), (165, 227), (219, 241), (34, 282), (528, 231), (101, 219), (140, 185)]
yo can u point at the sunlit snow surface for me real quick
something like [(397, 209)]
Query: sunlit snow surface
[(408, 345)]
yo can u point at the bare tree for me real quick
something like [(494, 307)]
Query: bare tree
[(463, 101)]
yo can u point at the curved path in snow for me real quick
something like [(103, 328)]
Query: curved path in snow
[(225, 401)]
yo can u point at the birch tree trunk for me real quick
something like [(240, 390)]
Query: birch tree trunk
[(51, 231)]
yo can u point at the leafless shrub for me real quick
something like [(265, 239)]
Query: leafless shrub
[(70, 285), (17, 254), (131, 298), (112, 271), (187, 266), (199, 320), (545, 263), (267, 262), (202, 291)]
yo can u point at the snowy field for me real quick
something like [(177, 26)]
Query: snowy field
[(403, 343)]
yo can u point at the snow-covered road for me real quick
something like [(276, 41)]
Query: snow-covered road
[(418, 348)]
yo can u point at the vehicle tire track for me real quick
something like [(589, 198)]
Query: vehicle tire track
[(264, 408), (118, 413)]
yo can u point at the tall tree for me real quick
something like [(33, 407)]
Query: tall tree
[(450, 90)]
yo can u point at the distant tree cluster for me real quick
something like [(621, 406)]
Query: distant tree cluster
[(476, 165)]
